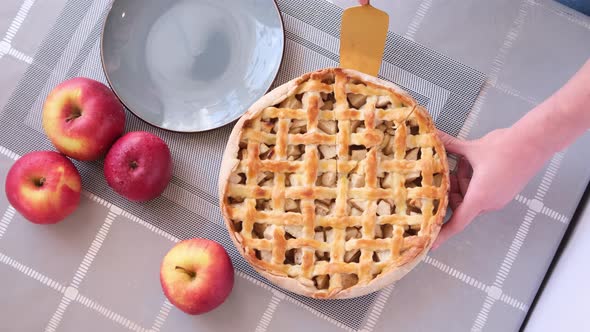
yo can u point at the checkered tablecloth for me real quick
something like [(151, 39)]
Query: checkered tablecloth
[(98, 270)]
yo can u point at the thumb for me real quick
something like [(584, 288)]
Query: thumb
[(462, 216), (453, 144)]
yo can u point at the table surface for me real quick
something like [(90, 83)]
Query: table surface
[(527, 48)]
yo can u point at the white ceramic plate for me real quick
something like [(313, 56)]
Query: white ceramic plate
[(191, 65)]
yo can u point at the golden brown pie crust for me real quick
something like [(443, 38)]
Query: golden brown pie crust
[(334, 185)]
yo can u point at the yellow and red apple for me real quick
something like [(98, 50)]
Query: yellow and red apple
[(197, 275), (83, 118), (138, 166), (44, 187)]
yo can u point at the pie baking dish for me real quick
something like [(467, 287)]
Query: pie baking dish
[(334, 185)]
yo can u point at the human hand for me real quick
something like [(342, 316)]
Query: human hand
[(505, 160), (490, 172)]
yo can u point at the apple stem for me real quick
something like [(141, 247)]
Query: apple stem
[(40, 182), (76, 113), (192, 274), (133, 164)]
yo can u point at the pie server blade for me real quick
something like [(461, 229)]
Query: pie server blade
[(362, 38)]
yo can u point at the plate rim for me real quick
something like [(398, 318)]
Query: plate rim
[(110, 83)]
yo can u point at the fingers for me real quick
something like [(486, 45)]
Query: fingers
[(464, 169), (465, 206), (453, 144), (462, 216), (463, 185), (455, 197), (464, 173), (454, 184)]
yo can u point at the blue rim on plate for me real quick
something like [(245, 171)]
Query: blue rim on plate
[(191, 65)]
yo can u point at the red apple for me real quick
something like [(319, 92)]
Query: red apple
[(83, 118), (44, 187), (197, 275), (138, 166)]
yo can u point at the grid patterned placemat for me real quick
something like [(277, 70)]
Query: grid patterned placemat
[(189, 207)]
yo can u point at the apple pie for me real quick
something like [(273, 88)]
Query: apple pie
[(334, 185)]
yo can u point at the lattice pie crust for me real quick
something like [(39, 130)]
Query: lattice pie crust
[(334, 184)]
